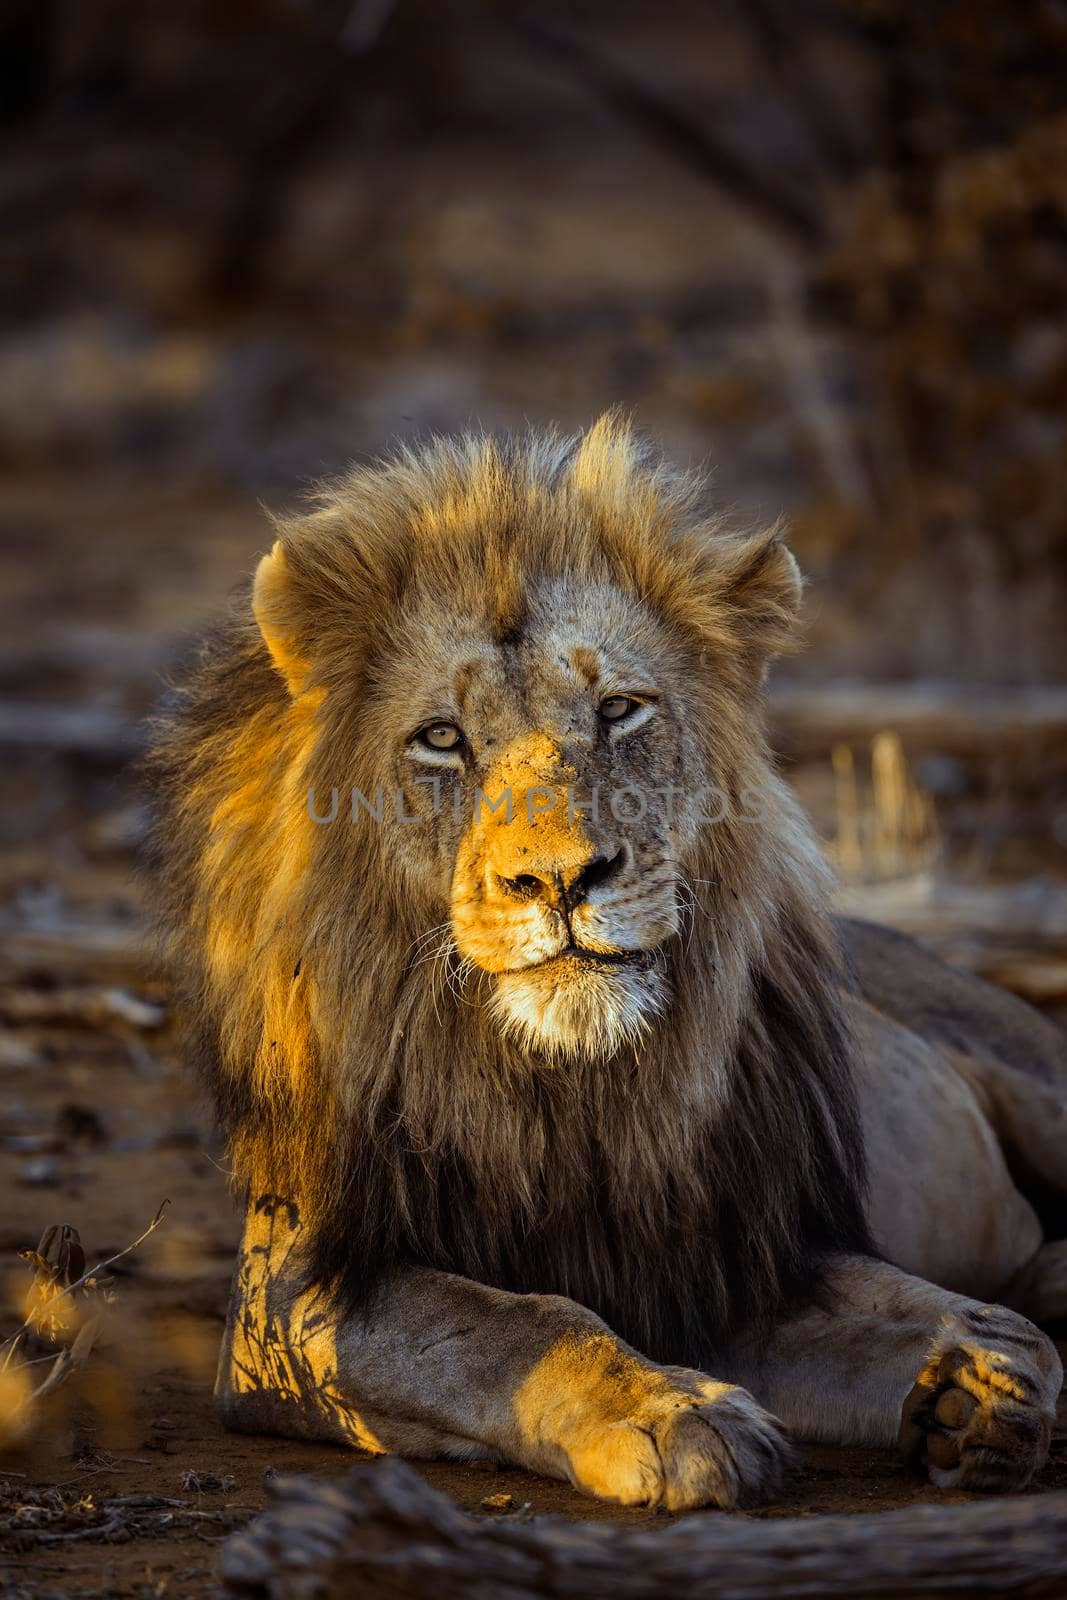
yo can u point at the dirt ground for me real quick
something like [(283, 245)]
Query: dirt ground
[(100, 1503)]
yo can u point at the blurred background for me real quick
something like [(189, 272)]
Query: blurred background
[(818, 245)]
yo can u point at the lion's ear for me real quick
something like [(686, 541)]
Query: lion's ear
[(274, 606), (763, 586)]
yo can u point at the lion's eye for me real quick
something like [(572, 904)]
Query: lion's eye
[(440, 736), (617, 707)]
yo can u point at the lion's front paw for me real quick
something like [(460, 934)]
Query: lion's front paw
[(700, 1443), (980, 1417)]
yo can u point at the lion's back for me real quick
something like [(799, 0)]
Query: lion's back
[(947, 1006)]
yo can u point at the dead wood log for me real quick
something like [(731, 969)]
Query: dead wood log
[(86, 1006), (1011, 934), (809, 719), (383, 1532), (75, 947)]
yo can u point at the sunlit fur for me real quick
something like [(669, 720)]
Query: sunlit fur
[(672, 1143), (553, 1005), (568, 1010)]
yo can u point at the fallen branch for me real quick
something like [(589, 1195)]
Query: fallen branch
[(81, 1006), (383, 1532), (116, 1519), (1014, 935), (104, 1531), (808, 720), (71, 947)]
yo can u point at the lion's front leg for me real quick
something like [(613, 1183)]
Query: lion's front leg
[(441, 1366), (967, 1390)]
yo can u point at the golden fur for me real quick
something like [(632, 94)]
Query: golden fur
[(546, 1108), (382, 1018)]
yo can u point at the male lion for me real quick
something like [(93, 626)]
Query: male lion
[(537, 1062)]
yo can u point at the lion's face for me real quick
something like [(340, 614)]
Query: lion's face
[(552, 664), (549, 770)]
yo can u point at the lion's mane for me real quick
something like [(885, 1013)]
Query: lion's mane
[(685, 1189)]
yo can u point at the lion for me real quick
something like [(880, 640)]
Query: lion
[(573, 1131)]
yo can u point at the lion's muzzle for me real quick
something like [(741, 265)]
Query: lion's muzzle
[(560, 907)]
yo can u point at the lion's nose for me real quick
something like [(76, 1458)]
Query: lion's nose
[(566, 887)]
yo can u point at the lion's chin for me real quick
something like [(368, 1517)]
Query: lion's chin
[(570, 1007)]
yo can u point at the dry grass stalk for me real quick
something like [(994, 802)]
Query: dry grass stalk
[(66, 1305), (886, 829)]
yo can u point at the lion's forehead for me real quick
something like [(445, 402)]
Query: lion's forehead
[(574, 639), (526, 702)]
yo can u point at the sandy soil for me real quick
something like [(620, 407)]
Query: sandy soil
[(99, 1141)]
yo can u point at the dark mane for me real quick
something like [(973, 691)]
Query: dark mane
[(683, 1191), (728, 1229)]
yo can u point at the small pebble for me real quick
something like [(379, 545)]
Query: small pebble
[(498, 1502), (42, 1173)]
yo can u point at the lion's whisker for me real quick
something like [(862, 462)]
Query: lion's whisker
[(430, 935)]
